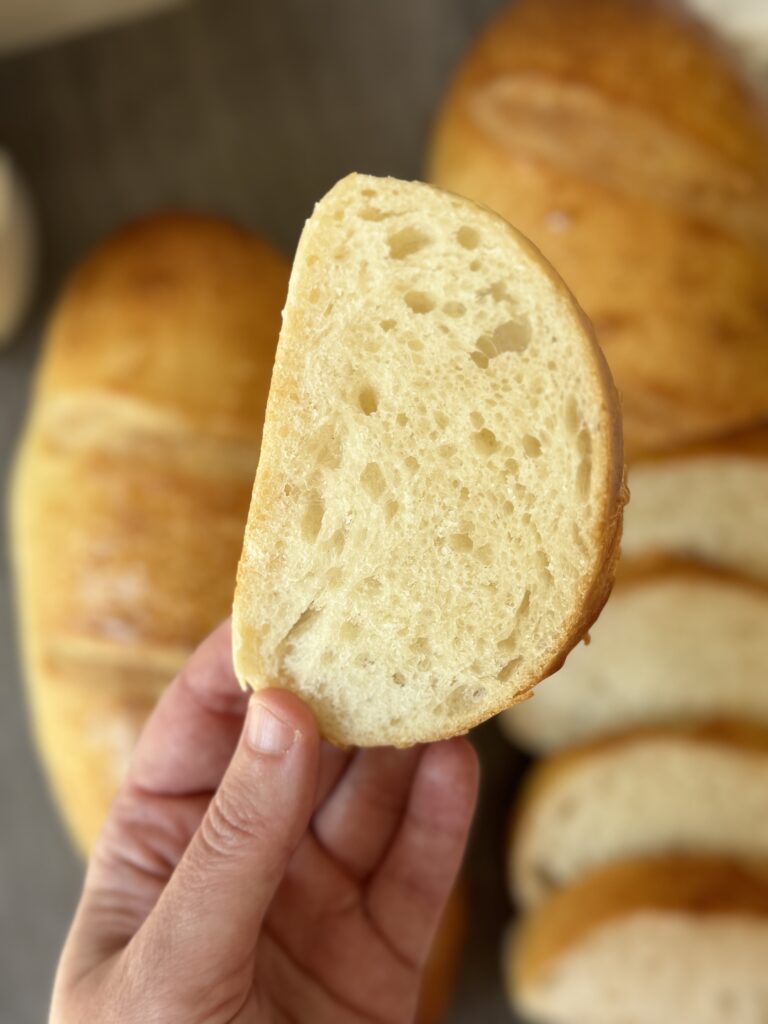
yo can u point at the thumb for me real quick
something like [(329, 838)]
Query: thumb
[(213, 906)]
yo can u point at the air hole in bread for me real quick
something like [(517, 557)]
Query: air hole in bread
[(584, 472), (456, 700), (334, 578), (485, 554), (508, 507), (506, 672), (340, 253), (373, 481), (441, 419), (468, 237), (368, 400), (475, 265), (294, 634), (411, 463), (511, 467), (420, 645), (391, 509), (460, 542), (373, 213), (572, 415), (314, 295), (368, 586), (524, 607), (415, 345), (349, 631), (398, 679), (338, 540), (477, 418), (446, 450), (485, 441), (419, 302), (512, 336), (509, 644), (498, 291), (388, 325), (454, 309), (406, 242), (312, 520), (531, 445)]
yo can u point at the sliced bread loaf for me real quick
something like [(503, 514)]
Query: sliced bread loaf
[(674, 940), (677, 642), (655, 790), (437, 508), (708, 501)]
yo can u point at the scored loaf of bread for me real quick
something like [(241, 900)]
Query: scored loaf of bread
[(644, 181), (674, 940), (132, 484), (651, 790), (707, 501), (677, 642), (437, 509)]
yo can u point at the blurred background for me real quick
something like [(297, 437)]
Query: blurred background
[(251, 111)]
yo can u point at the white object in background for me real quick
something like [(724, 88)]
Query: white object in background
[(18, 249), (29, 22), (744, 23)]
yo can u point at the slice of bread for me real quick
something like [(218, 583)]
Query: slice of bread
[(687, 789), (708, 501), (437, 508), (678, 642), (664, 941)]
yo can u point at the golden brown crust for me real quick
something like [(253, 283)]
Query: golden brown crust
[(696, 886), (633, 572), (751, 442), (87, 717), (553, 120), (132, 482), (140, 312)]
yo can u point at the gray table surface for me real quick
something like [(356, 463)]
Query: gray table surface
[(249, 108)]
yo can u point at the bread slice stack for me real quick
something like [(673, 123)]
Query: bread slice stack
[(633, 852)]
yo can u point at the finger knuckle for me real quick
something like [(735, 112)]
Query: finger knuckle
[(231, 823)]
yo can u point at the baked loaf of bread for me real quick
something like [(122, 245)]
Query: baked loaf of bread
[(673, 940), (437, 509), (744, 23), (677, 643), (700, 789), (132, 483), (644, 181), (708, 501)]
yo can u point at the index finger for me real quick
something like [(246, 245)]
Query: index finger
[(188, 742)]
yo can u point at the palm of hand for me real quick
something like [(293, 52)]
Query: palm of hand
[(307, 889)]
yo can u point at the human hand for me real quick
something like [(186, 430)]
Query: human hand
[(258, 875)]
